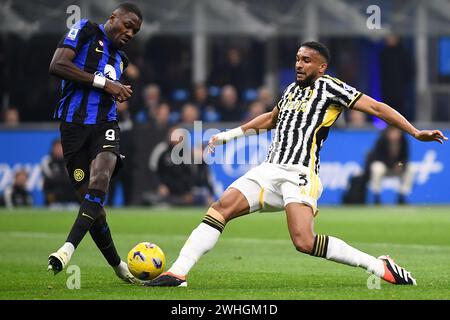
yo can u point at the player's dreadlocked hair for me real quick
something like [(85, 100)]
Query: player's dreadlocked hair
[(130, 7), (319, 47)]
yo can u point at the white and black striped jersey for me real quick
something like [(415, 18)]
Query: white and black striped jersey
[(304, 119)]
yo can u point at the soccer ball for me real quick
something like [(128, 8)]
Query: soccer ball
[(146, 261)]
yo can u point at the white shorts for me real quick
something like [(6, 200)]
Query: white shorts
[(271, 187)]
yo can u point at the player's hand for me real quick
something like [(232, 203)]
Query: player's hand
[(430, 135), (212, 143), (119, 91), (224, 137)]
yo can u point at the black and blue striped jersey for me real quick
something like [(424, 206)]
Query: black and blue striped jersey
[(95, 54)]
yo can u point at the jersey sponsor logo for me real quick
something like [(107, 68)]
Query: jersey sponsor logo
[(299, 105), (73, 33), (108, 146), (110, 72), (78, 175)]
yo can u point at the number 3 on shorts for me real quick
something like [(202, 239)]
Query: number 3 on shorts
[(110, 135), (303, 181)]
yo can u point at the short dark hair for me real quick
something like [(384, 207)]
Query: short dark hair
[(130, 7), (319, 47)]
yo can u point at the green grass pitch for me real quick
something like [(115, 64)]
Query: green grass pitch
[(254, 258)]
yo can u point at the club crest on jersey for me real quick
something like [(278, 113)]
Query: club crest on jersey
[(110, 72), (100, 43)]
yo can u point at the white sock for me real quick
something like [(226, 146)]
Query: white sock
[(341, 252), (121, 269), (201, 240), (68, 248)]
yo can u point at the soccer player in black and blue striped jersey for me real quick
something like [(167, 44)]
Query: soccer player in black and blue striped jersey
[(90, 62)]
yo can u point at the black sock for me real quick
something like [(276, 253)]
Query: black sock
[(89, 212), (101, 235)]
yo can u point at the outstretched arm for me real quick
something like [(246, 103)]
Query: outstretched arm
[(381, 110), (266, 121)]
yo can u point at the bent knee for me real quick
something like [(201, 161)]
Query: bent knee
[(226, 211), (304, 244)]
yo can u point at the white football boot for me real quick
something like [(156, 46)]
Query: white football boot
[(123, 273), (58, 260)]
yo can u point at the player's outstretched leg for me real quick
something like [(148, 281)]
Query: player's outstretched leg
[(89, 211), (300, 223), (92, 217), (201, 240), (232, 204), (101, 234)]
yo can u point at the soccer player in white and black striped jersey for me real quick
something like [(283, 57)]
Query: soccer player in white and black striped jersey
[(289, 178)]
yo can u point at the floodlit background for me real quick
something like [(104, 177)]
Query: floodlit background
[(224, 62)]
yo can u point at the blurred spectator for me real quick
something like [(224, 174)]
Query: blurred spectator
[(229, 108), (396, 74), (255, 109), (152, 100), (175, 179), (11, 117), (162, 116), (124, 116), (17, 195), (356, 119), (124, 177), (232, 71), (132, 72), (203, 191), (201, 100), (390, 158), (58, 188), (266, 98), (132, 76), (189, 113)]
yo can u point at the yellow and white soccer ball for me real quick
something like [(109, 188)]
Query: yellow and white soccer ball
[(146, 261)]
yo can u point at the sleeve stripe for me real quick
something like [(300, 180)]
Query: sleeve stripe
[(341, 90), (66, 45), (344, 98), (342, 94), (352, 103)]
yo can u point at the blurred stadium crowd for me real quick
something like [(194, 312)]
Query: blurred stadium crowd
[(160, 74)]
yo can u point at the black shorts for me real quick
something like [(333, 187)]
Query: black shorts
[(83, 142)]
